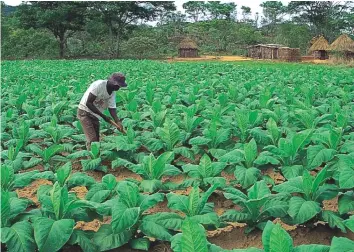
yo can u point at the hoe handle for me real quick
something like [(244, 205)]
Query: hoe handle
[(117, 126)]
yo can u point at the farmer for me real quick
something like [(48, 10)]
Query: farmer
[(99, 96)]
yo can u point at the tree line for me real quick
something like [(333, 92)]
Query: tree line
[(142, 29)]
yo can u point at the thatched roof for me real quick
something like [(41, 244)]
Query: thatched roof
[(342, 44), (187, 43), (314, 39), (320, 44)]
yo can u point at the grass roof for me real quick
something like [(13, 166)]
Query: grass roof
[(187, 43), (320, 44), (342, 44)]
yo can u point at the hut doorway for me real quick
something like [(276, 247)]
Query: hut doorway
[(275, 53), (323, 55)]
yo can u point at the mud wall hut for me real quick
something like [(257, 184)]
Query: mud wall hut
[(289, 54), (342, 47), (187, 49), (264, 51)]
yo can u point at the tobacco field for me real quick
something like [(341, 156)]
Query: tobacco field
[(245, 156)]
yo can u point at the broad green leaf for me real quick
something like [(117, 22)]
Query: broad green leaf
[(346, 202), (151, 185), (258, 190), (148, 201), (48, 175), (160, 225), (178, 202), (193, 201), (95, 149), (236, 216), (266, 235), (83, 239), (317, 155), (80, 179), (205, 196), (51, 235), (273, 130), (140, 244), (346, 176), (341, 244), (59, 197), (301, 210), (280, 240), (106, 239), (307, 181), (290, 172), (312, 248), (129, 193), (294, 185), (321, 177), (123, 217), (235, 195), (266, 158), (5, 208), (17, 206), (333, 220), (349, 223), (18, 237), (247, 176), (204, 167), (250, 152), (24, 179), (193, 237), (63, 173), (275, 208), (206, 219), (160, 163), (234, 156), (300, 139), (199, 140), (110, 181)]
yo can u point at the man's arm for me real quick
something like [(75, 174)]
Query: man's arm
[(93, 108), (113, 113)]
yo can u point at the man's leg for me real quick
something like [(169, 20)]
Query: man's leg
[(90, 127)]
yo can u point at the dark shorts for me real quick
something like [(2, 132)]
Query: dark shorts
[(90, 125)]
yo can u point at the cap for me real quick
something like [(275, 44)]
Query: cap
[(119, 78)]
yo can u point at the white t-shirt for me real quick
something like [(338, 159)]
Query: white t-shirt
[(103, 99)]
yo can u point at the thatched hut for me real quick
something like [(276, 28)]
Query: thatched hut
[(264, 51), (187, 48), (319, 49), (343, 46)]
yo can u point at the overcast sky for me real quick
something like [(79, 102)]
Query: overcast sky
[(253, 4)]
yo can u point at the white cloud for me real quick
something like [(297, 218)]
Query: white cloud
[(12, 2)]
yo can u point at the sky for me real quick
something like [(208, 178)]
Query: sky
[(253, 4)]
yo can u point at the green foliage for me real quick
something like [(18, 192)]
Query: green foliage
[(258, 206)]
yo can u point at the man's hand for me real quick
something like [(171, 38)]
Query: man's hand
[(119, 126)]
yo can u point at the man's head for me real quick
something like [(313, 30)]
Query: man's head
[(117, 81)]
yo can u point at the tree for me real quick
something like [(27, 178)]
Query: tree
[(246, 13), (219, 10), (119, 16), (195, 9), (323, 17), (61, 18), (273, 12)]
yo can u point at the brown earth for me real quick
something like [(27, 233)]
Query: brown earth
[(30, 191), (236, 239)]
